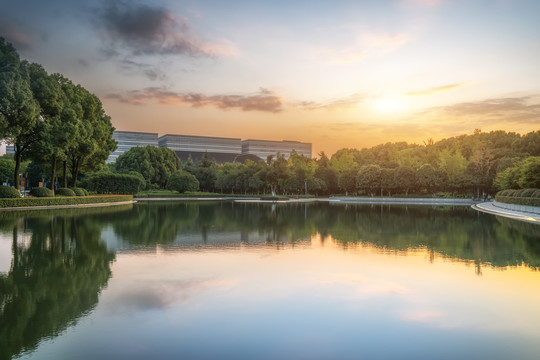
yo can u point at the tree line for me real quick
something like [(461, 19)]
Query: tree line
[(50, 120), (470, 165)]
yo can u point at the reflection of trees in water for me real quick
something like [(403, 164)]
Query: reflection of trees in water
[(457, 232), (56, 275)]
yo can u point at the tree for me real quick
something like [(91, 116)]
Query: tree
[(7, 168), (369, 179), (19, 111), (155, 164), (404, 178), (428, 178), (530, 172), (206, 172), (58, 125), (388, 181), (93, 142), (275, 173), (182, 181)]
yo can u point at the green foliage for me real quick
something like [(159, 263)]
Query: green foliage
[(50, 120), (9, 192), (182, 181), (76, 200), (41, 192), (64, 192), (524, 174), (368, 179), (530, 172), (79, 191), (7, 169), (155, 164), (518, 199), (107, 183)]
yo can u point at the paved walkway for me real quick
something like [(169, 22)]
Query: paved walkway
[(488, 207)]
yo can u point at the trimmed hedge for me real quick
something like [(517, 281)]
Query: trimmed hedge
[(79, 191), (107, 183), (527, 197), (64, 192), (8, 192), (31, 201), (41, 192)]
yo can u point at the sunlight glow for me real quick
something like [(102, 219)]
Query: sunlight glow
[(389, 104)]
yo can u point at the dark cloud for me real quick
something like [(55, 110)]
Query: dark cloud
[(83, 62), (265, 100), (147, 29), (335, 104), (21, 40), (132, 68)]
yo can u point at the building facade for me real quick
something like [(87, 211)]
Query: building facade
[(220, 149), (128, 139), (265, 148)]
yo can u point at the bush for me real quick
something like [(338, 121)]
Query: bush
[(64, 192), (527, 192), (8, 192), (108, 183), (182, 181), (32, 201), (41, 192), (79, 191), (527, 197)]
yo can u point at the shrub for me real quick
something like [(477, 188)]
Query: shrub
[(79, 191), (108, 183), (182, 181), (8, 192), (536, 194), (41, 192), (527, 192), (64, 192), (32, 201)]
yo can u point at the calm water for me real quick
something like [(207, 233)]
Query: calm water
[(259, 281)]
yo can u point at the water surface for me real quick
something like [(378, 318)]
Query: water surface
[(224, 280)]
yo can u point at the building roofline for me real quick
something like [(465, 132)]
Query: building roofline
[(134, 132), (201, 137), (278, 141)]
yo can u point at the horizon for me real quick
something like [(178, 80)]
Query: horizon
[(343, 75)]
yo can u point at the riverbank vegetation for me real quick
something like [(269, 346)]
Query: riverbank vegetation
[(61, 200), (463, 166)]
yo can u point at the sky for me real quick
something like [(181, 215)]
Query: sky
[(337, 74)]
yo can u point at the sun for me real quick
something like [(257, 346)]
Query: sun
[(388, 104)]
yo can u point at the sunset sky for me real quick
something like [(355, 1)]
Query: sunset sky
[(333, 73)]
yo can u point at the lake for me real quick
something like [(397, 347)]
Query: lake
[(226, 280)]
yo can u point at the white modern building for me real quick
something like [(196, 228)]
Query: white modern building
[(219, 148), (265, 148), (128, 139)]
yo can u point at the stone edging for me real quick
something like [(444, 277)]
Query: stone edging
[(516, 207)]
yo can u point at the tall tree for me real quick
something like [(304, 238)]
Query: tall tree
[(19, 111)]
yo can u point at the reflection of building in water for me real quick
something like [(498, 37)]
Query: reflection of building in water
[(217, 239)]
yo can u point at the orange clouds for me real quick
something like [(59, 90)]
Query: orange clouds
[(265, 100), (434, 90)]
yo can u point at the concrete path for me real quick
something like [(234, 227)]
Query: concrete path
[(488, 207)]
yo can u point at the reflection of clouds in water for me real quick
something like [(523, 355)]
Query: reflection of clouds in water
[(364, 287), (151, 295)]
